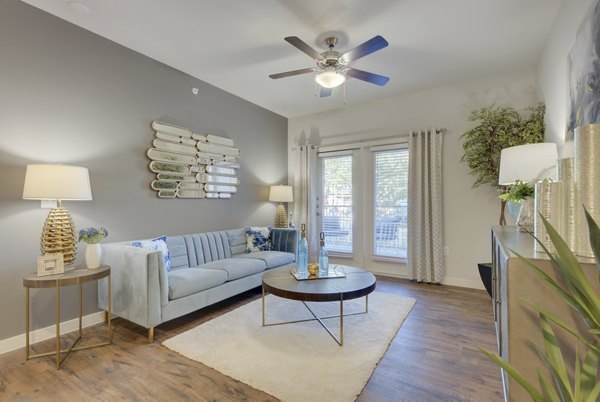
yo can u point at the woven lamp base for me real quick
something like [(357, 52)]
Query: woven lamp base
[(58, 235), (281, 220)]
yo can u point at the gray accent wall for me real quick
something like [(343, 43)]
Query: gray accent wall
[(70, 96)]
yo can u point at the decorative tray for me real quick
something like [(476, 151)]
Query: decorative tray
[(335, 272)]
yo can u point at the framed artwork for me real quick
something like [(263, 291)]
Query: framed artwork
[(584, 74), (50, 264)]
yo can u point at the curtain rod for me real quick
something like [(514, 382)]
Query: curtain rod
[(439, 130)]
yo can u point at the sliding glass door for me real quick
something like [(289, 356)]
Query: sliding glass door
[(336, 201), (362, 206), (390, 183)]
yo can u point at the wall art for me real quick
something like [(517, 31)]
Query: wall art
[(584, 74), (192, 165)]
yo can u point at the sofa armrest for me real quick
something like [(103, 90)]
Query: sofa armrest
[(139, 283), (283, 239)]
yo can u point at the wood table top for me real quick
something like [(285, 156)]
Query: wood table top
[(72, 277), (357, 283)]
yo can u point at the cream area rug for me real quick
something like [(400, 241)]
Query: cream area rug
[(300, 361)]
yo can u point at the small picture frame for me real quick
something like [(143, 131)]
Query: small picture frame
[(50, 264)]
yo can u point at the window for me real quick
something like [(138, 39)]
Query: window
[(336, 193), (390, 183)]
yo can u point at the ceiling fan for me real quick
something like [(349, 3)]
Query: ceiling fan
[(332, 66)]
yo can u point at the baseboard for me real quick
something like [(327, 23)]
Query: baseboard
[(459, 282), (18, 341), (464, 283), (400, 276)]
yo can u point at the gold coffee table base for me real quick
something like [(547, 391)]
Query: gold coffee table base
[(340, 339)]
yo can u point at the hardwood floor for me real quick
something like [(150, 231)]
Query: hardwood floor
[(432, 358)]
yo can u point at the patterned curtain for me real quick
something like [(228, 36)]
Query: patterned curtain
[(305, 196), (425, 243)]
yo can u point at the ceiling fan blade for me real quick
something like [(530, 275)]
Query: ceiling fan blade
[(304, 47), (291, 73), (372, 45), (325, 92), (376, 79)]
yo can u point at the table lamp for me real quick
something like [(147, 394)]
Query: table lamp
[(527, 163), (281, 194), (58, 183)]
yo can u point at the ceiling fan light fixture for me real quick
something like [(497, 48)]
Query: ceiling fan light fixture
[(330, 79)]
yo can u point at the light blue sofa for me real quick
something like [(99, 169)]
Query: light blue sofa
[(205, 269)]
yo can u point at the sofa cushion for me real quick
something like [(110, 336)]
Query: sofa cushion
[(235, 268), (158, 244), (187, 281), (258, 239), (237, 240), (271, 258)]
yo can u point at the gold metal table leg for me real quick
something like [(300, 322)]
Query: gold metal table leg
[(109, 313), (57, 326), (26, 323), (263, 306), (80, 308), (341, 341)]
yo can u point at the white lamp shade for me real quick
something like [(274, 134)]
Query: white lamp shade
[(57, 182), (281, 194), (330, 79), (528, 163)]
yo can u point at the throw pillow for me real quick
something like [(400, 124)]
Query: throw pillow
[(258, 239), (158, 244)]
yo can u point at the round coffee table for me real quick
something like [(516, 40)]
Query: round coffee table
[(357, 283)]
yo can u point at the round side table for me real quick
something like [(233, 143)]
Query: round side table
[(73, 277)]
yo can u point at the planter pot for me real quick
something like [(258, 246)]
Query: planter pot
[(93, 255), (485, 273)]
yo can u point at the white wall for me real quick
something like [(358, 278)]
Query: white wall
[(468, 213), (553, 71)]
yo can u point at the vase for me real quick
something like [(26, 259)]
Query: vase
[(548, 203), (525, 219), (93, 255), (566, 176), (513, 209), (587, 183)]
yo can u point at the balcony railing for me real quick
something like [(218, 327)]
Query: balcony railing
[(390, 239)]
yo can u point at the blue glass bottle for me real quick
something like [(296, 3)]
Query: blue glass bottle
[(302, 263), (323, 257)]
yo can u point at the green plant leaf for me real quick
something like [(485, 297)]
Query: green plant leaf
[(577, 378), (560, 323), (594, 394), (514, 373), (589, 373), (575, 278), (498, 128), (594, 238), (547, 389), (564, 295), (554, 358)]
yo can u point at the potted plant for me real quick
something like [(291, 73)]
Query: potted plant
[(499, 127), (93, 253), (519, 197), (575, 289)]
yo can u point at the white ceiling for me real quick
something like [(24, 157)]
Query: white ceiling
[(236, 44)]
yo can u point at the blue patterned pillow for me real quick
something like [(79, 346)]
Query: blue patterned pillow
[(258, 239), (158, 244)]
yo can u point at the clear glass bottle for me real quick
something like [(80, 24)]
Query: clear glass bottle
[(302, 264), (323, 257)]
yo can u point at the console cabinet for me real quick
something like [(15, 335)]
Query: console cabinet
[(516, 324)]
